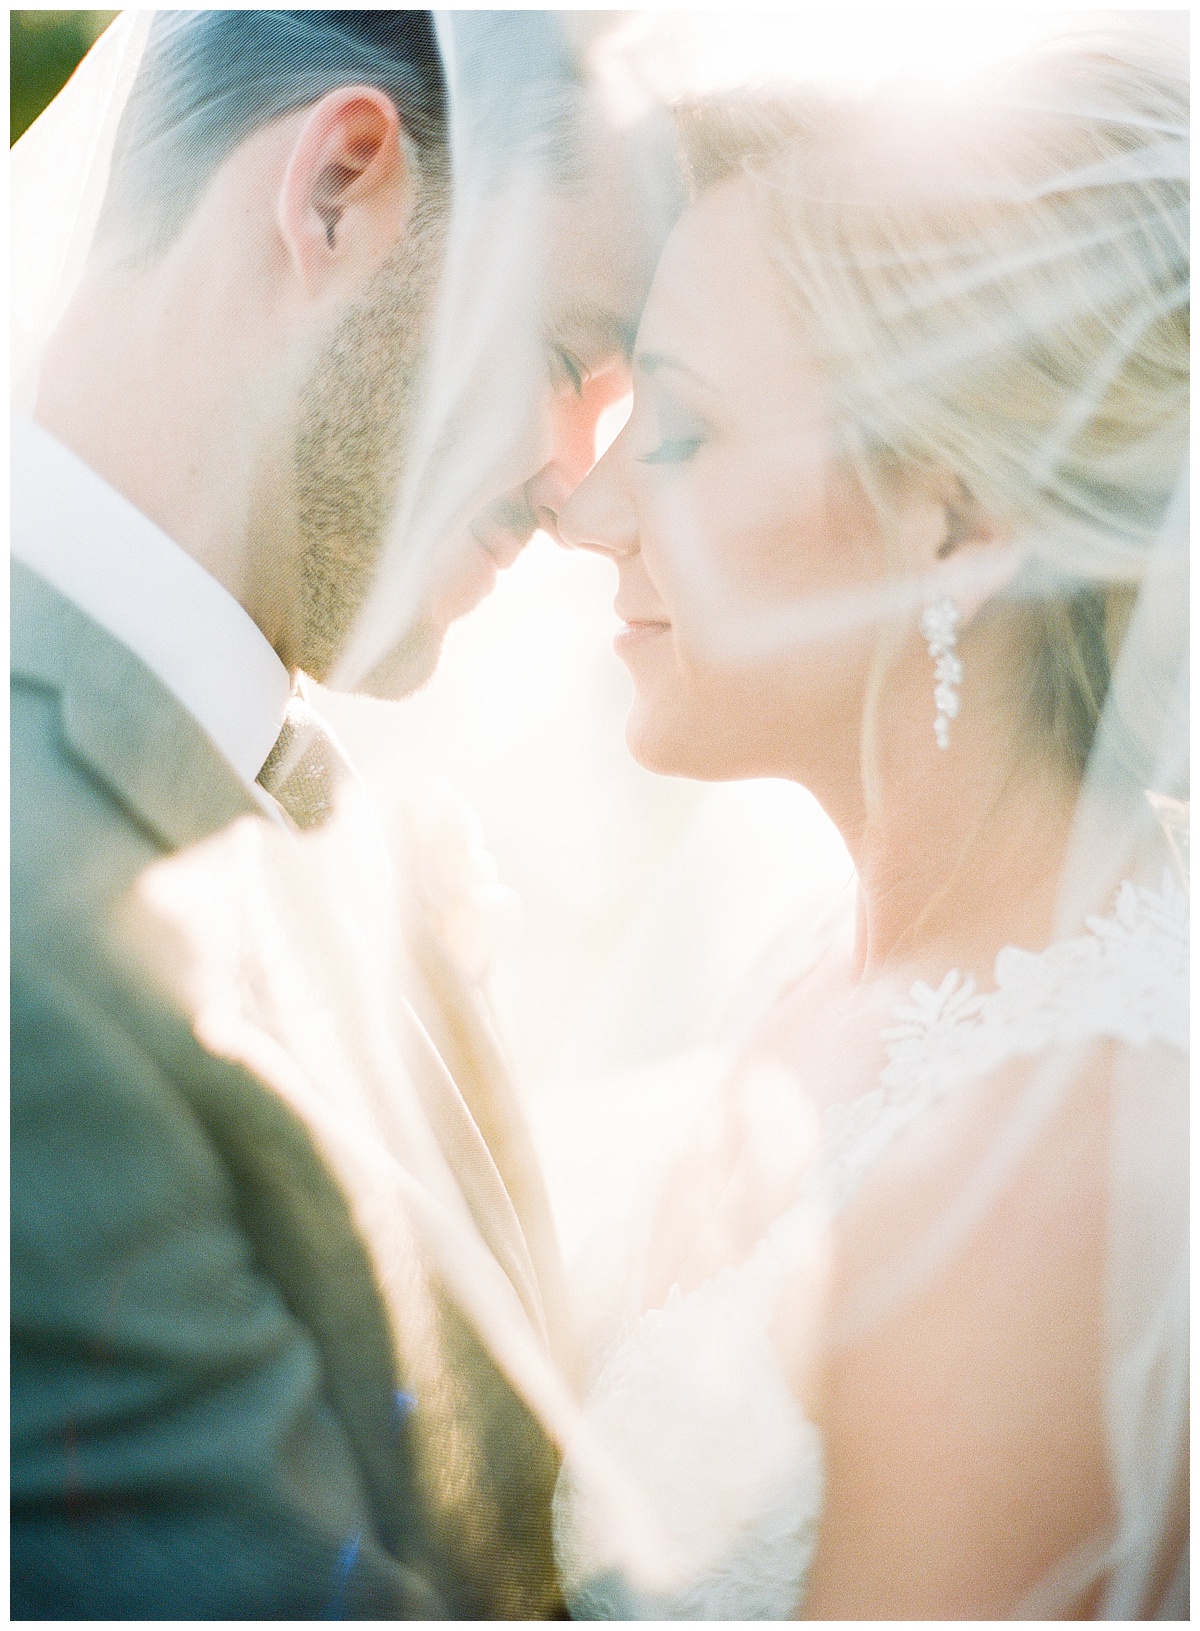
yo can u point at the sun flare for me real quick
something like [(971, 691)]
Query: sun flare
[(668, 54)]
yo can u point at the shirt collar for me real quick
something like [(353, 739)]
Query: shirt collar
[(115, 565)]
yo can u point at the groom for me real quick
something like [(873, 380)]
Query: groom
[(219, 1409)]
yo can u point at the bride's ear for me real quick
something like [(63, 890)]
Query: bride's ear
[(346, 189), (955, 544)]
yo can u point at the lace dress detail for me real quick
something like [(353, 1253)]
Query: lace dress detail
[(692, 1399)]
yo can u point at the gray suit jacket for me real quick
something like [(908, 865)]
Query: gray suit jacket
[(218, 1411)]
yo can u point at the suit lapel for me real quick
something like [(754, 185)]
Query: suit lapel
[(121, 721)]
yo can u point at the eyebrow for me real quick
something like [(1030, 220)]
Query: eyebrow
[(593, 329), (650, 362)]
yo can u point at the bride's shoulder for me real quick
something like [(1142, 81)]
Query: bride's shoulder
[(1046, 1047), (965, 1329), (967, 1304), (984, 1222), (1124, 978)]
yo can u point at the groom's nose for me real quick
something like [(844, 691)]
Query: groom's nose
[(573, 420), (546, 495), (511, 521)]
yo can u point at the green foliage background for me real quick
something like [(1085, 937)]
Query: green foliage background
[(45, 47)]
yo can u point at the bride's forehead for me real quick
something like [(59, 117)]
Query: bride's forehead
[(718, 245), (716, 284)]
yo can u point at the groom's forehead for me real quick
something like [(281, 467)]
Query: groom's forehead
[(602, 246)]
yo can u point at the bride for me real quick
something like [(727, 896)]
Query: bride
[(895, 516)]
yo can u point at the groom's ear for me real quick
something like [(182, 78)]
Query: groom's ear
[(347, 188)]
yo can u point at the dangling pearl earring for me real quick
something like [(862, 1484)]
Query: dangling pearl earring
[(939, 625)]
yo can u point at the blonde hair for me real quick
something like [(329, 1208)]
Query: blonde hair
[(998, 287)]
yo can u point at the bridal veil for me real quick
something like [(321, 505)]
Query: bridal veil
[(538, 106)]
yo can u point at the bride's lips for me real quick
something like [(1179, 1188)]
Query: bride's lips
[(636, 631)]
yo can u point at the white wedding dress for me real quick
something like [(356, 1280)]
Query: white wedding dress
[(692, 1399)]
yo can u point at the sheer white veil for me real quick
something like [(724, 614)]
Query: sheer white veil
[(65, 157), (516, 84), (513, 91)]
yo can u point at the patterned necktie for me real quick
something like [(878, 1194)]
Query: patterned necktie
[(306, 765)]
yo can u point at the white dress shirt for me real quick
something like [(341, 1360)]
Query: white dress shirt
[(115, 565)]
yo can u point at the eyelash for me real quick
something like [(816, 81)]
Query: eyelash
[(677, 450), (574, 370)]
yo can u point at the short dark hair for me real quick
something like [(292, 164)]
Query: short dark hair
[(208, 79)]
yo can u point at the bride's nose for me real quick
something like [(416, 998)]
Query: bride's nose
[(598, 515)]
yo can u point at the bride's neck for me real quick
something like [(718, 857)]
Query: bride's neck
[(954, 867)]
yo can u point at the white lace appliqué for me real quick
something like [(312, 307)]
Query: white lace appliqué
[(1125, 979), (693, 1400)]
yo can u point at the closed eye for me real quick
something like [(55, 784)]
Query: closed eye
[(576, 373), (675, 450)]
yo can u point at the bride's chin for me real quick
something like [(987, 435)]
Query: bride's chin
[(690, 742), (667, 747)]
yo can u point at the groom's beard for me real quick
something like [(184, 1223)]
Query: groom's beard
[(354, 432), (410, 664)]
